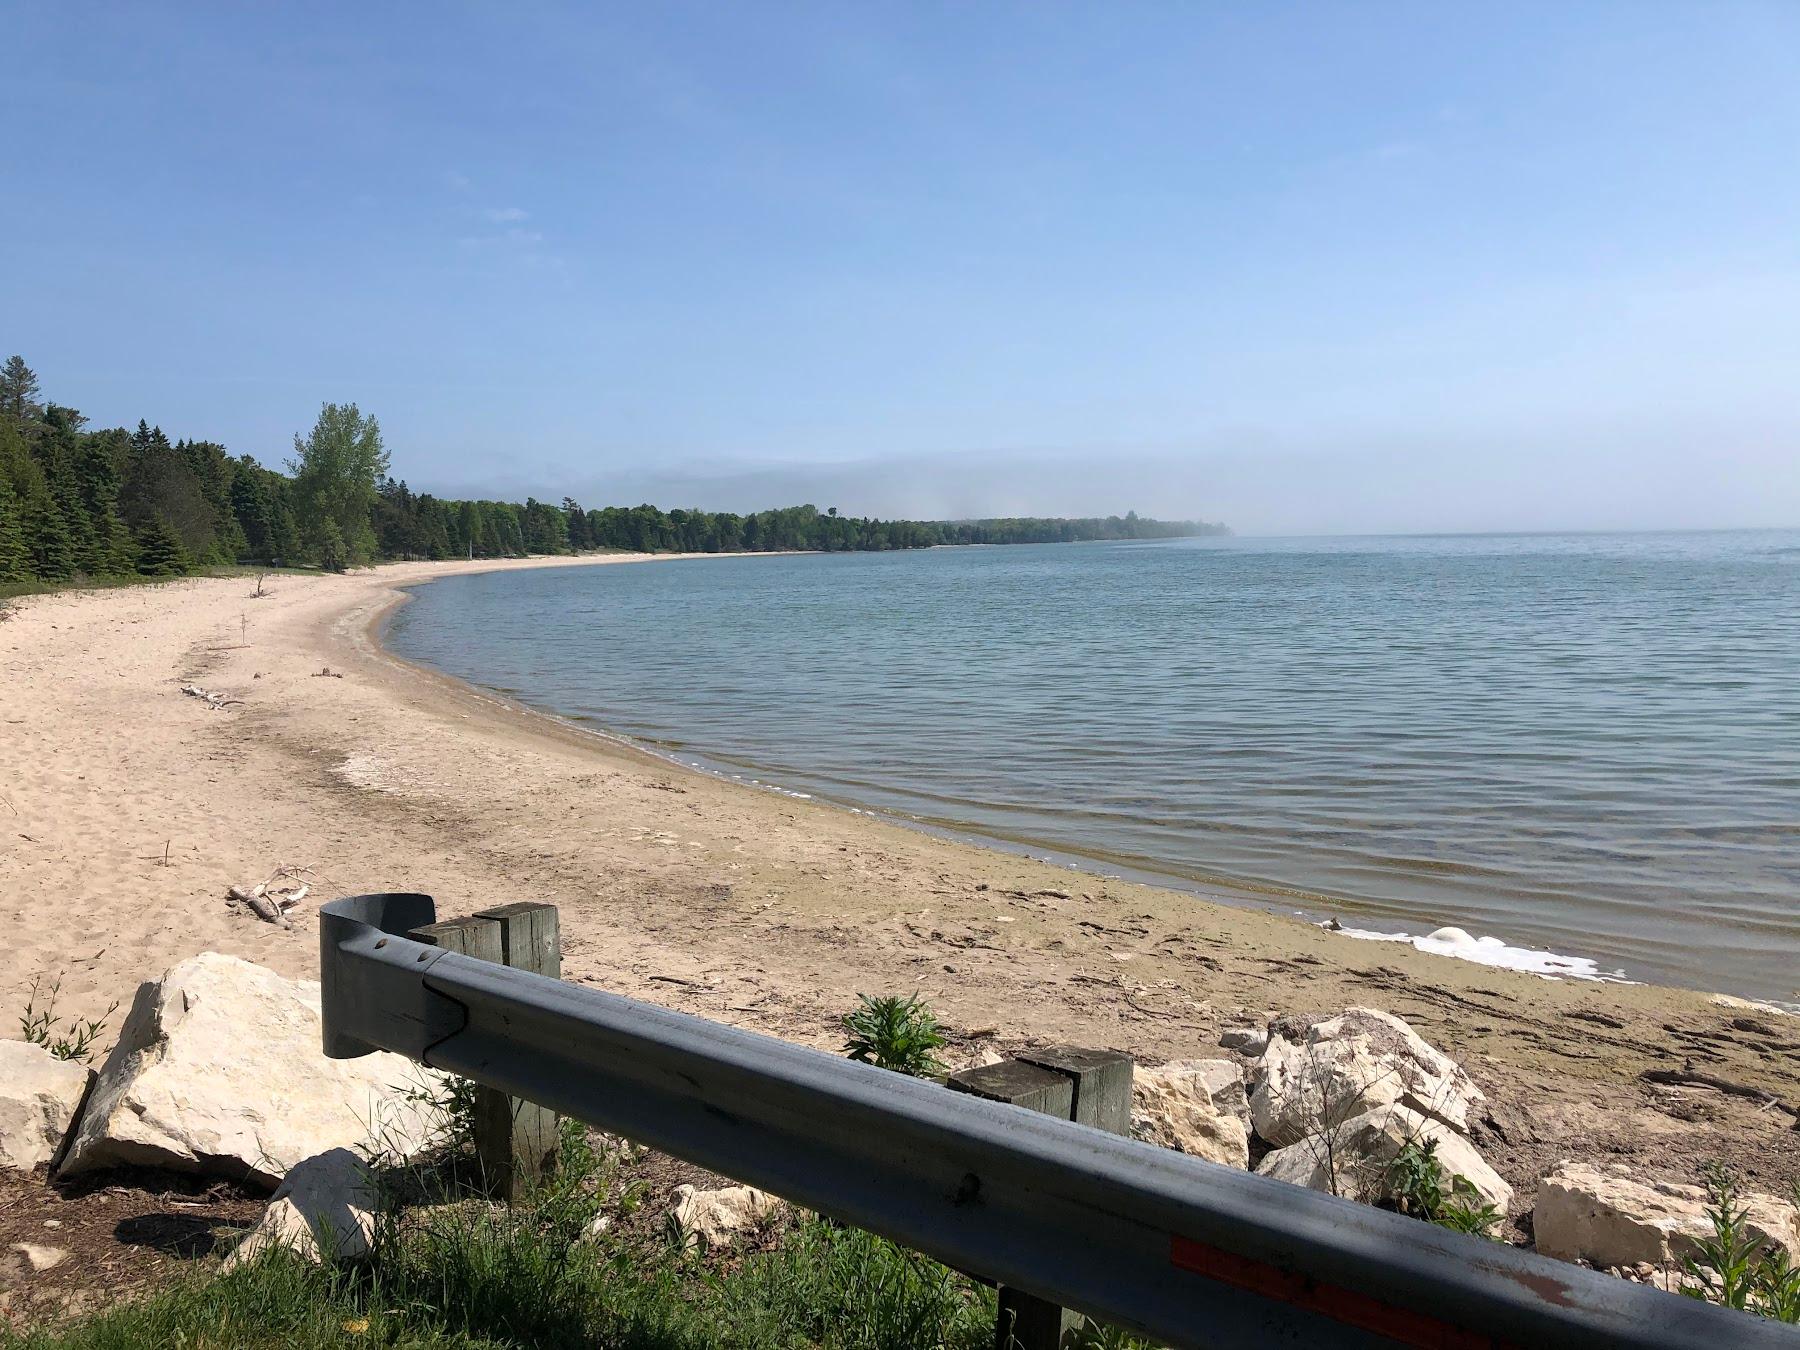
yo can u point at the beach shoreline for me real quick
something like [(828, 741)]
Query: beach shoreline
[(1283, 901), (703, 894)]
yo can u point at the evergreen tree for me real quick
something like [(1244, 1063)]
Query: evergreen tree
[(253, 511), (328, 543), (162, 486), (115, 552), (160, 553), (47, 539), (15, 560), (212, 470), (18, 391), (581, 535)]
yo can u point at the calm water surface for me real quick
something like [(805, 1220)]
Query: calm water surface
[(1585, 743)]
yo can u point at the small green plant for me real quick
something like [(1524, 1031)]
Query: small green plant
[(895, 1033), (448, 1100), (1734, 1267), (1422, 1189), (70, 1038)]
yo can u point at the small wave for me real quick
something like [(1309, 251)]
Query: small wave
[(1492, 951)]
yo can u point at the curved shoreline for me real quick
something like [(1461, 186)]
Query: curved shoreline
[(1218, 889), (693, 891), (1269, 897)]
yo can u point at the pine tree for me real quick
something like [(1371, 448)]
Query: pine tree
[(329, 546), (78, 526), (116, 552), (18, 391), (53, 554), (160, 553), (254, 513), (15, 560), (161, 485)]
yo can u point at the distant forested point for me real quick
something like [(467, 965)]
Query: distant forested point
[(77, 502)]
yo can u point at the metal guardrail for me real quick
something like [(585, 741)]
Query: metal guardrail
[(1191, 1253)]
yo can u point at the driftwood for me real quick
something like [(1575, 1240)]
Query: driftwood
[(260, 905), (1692, 1077), (211, 699), (271, 900)]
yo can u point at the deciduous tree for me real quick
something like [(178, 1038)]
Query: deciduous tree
[(337, 469)]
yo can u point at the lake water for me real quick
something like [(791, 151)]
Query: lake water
[(1587, 744)]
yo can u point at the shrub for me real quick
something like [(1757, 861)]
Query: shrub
[(65, 1038), (895, 1033), (1422, 1190), (1734, 1268)]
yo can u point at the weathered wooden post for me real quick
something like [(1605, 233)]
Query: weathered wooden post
[(1091, 1087), (515, 1140)]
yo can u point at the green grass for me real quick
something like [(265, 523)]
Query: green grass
[(493, 1282), (13, 590), (451, 1270)]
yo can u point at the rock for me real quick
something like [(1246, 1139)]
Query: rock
[(39, 1096), (219, 1070), (1352, 1159), (1195, 1106), (718, 1218), (1332, 1069), (1247, 1040), (39, 1259), (1608, 1218), (325, 1205)]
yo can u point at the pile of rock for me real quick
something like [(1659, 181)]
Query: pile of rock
[(219, 1071), (1335, 1099)]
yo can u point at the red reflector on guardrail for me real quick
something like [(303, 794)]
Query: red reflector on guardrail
[(1401, 1325)]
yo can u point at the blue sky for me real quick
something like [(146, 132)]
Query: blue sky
[(1332, 267)]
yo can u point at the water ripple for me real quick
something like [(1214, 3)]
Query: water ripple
[(1584, 742)]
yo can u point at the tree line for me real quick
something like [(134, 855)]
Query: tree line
[(99, 503)]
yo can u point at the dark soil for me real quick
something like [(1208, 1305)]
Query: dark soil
[(125, 1234)]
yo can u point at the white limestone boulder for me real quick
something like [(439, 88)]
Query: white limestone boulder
[(39, 1096), (1610, 1218), (324, 1207), (1332, 1069), (720, 1218), (1353, 1159), (219, 1070), (1195, 1106)]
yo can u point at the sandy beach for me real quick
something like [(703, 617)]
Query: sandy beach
[(127, 808)]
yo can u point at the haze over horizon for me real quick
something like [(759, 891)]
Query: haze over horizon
[(1303, 269)]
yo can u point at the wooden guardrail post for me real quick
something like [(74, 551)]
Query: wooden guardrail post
[(1091, 1087), (515, 1140)]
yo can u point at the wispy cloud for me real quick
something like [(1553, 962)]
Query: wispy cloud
[(458, 182), (504, 215), (514, 244)]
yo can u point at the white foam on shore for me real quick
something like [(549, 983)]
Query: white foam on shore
[(1492, 951)]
